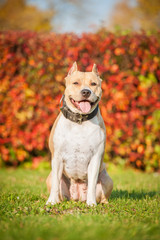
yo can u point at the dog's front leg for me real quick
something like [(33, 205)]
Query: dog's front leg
[(93, 172), (57, 168)]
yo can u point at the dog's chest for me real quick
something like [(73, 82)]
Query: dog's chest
[(76, 145)]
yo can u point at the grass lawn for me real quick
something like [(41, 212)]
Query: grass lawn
[(132, 212)]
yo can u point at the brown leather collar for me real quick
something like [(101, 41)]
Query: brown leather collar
[(76, 117)]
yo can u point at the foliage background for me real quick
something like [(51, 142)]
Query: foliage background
[(32, 71)]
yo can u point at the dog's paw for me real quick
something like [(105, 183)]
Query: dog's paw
[(52, 201), (91, 203), (104, 201)]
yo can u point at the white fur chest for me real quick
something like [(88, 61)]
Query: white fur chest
[(76, 144)]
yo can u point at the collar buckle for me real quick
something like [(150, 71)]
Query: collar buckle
[(80, 119)]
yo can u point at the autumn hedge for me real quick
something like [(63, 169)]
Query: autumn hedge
[(32, 71)]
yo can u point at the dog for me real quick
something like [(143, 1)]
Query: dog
[(77, 143)]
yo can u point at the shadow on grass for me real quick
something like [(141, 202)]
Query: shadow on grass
[(124, 194)]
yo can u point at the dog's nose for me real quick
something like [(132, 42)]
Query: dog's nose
[(86, 93)]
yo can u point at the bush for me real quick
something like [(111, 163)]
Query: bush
[(32, 71)]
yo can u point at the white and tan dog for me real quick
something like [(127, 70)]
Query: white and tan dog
[(77, 143)]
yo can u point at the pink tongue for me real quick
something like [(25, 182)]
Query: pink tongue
[(85, 106)]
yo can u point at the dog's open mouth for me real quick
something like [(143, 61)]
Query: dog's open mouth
[(84, 106)]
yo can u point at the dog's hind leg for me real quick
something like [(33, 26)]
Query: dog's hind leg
[(104, 187), (64, 189), (64, 186), (49, 181)]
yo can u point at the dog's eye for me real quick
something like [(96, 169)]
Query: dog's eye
[(93, 84), (75, 83)]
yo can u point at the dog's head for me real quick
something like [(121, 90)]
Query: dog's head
[(83, 90)]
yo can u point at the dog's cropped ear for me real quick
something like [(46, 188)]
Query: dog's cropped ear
[(72, 69), (95, 70)]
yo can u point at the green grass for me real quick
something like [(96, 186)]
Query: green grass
[(132, 212)]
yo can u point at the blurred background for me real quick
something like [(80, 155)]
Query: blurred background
[(79, 16), (40, 40)]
